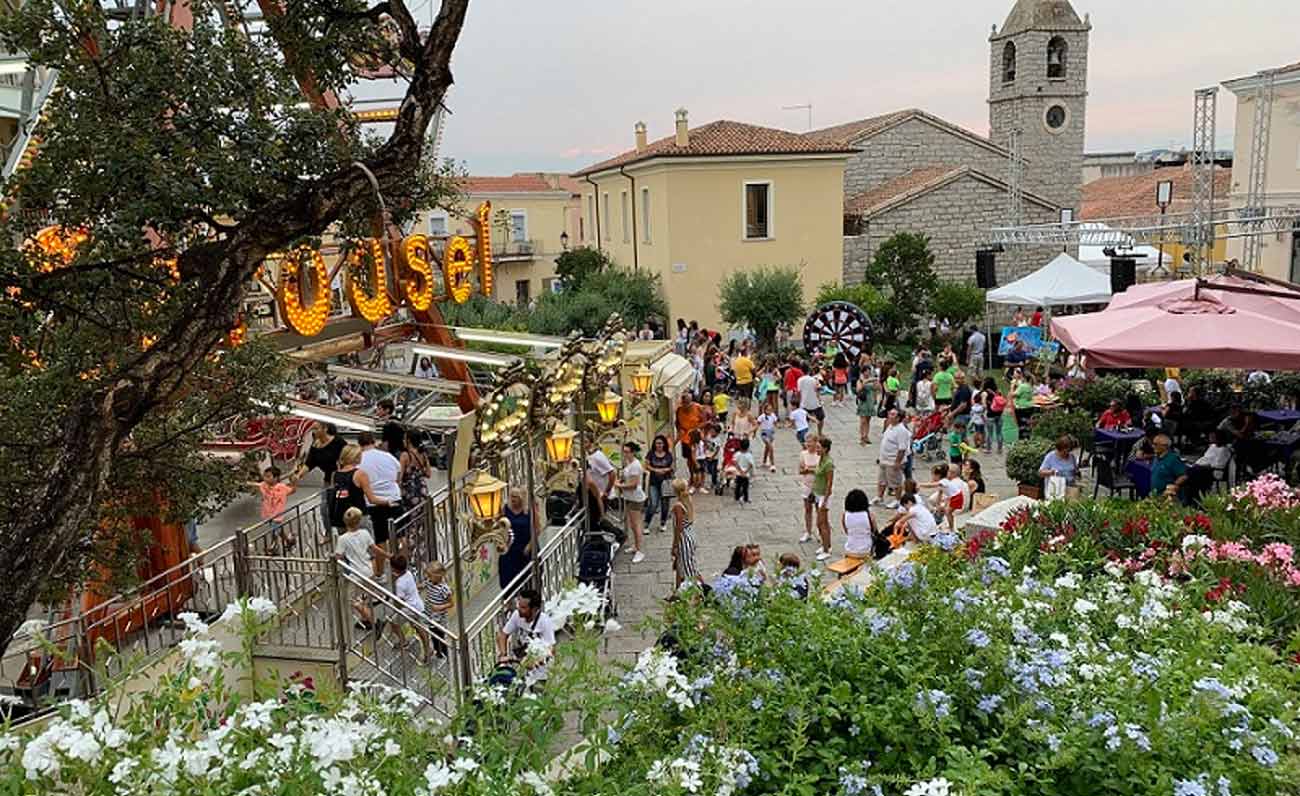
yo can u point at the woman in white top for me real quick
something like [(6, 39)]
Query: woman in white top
[(633, 495), (858, 525), (925, 394), (809, 458)]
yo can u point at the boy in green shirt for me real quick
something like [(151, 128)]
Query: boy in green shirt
[(956, 436)]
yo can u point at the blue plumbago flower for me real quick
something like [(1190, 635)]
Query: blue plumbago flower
[(880, 623), (1212, 686), (962, 599), (1225, 786), (1240, 711), (1191, 787), (613, 736), (974, 678), (935, 701), (1043, 668), (854, 730), (746, 770), (853, 784), (996, 565), (1054, 742), (1264, 756), (698, 743), (1147, 666), (977, 638), (1044, 706), (989, 704), (1112, 737), (774, 675), (947, 541), (1138, 737), (1102, 719), (1023, 635), (757, 703), (902, 576)]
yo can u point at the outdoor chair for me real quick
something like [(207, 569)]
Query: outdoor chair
[(1104, 475), (1223, 475)]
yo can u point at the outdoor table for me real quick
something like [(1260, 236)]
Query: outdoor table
[(1279, 416), (1140, 472), (1121, 440)]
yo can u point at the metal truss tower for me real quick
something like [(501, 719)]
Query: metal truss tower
[(1256, 187), (1015, 180), (1200, 237)]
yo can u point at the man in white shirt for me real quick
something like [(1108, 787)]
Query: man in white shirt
[(600, 470), (975, 350), (384, 473), (529, 634), (809, 390), (895, 443)]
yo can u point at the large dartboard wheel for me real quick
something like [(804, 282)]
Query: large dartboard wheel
[(839, 322)]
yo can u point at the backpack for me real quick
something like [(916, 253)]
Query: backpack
[(998, 403)]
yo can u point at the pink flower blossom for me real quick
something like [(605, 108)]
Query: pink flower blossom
[(1268, 491)]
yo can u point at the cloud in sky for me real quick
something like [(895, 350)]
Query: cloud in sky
[(558, 84)]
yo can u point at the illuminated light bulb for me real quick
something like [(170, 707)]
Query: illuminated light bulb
[(457, 265), (415, 271), (307, 320), (373, 306)]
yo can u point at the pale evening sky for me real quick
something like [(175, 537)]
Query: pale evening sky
[(558, 84)]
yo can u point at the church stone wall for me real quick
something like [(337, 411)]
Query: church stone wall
[(957, 219), (912, 145)]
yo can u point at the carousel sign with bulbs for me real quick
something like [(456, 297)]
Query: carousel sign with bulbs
[(378, 276)]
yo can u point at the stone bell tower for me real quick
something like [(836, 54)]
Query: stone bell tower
[(1038, 84)]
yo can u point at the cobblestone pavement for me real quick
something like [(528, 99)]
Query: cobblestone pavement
[(774, 520)]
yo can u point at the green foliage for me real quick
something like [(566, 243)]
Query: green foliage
[(1024, 458), (956, 301), (1094, 395), (762, 299), (635, 295), (863, 296), (903, 269), (1073, 423), (575, 266)]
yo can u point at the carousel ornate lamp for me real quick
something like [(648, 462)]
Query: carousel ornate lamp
[(559, 444), (608, 407), (486, 496)]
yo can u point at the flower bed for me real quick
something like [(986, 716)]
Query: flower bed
[(1085, 649)]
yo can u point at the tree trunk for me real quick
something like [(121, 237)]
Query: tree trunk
[(53, 532)]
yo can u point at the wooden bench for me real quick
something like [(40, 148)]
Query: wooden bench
[(846, 566)]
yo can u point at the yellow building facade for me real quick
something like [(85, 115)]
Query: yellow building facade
[(535, 216), (705, 202)]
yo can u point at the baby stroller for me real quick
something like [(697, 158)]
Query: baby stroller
[(596, 566), (928, 442), (729, 450)]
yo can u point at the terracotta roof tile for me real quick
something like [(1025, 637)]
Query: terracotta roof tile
[(915, 181), (1119, 197), (850, 131), (722, 138), (515, 183)]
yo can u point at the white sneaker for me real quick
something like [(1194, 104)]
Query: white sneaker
[(692, 490), (638, 557), (805, 538), (662, 528), (772, 467), (822, 555)]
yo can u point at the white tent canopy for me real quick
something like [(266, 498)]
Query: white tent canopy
[(1064, 280), (1097, 238)]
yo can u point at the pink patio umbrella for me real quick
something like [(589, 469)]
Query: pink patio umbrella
[(1269, 300), (1184, 333)]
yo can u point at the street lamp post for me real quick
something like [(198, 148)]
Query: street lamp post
[(1164, 198)]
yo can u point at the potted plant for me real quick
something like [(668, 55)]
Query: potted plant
[(1023, 460)]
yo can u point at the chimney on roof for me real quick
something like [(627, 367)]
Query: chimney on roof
[(683, 134), (640, 136)]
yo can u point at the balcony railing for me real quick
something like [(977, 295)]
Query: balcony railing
[(516, 249)]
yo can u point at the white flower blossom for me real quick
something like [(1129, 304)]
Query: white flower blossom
[(193, 624), (1084, 607), (656, 670), (204, 654), (535, 781)]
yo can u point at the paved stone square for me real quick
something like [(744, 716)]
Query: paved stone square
[(774, 520)]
